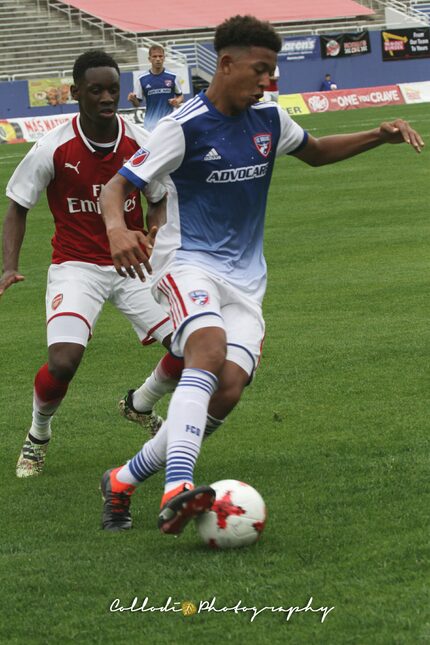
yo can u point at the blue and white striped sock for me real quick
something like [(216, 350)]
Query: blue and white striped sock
[(147, 461), (186, 422)]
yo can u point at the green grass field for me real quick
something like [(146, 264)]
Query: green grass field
[(333, 433)]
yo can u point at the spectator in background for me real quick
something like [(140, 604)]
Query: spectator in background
[(159, 87), (328, 84), (272, 92)]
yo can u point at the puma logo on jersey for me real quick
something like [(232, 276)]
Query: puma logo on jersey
[(212, 155), (69, 165)]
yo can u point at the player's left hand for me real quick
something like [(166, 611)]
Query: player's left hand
[(400, 131), (131, 249), (173, 102)]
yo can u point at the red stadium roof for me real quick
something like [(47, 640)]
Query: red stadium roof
[(138, 16)]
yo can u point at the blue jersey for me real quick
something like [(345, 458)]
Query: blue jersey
[(217, 170), (157, 89)]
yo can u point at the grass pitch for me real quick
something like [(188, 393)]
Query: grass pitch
[(333, 433)]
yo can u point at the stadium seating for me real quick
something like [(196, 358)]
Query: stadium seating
[(43, 37), (35, 41), (423, 7)]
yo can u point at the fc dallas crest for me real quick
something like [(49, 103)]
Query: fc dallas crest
[(199, 296), (139, 157), (263, 143)]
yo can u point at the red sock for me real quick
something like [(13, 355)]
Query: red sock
[(171, 366), (47, 388)]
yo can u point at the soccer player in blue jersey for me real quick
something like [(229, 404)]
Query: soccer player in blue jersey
[(159, 87), (216, 155)]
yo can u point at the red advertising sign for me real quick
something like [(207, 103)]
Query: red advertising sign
[(353, 99)]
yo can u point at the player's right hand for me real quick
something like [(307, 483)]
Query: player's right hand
[(9, 278), (129, 250)]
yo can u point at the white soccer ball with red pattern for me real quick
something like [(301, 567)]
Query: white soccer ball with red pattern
[(237, 517)]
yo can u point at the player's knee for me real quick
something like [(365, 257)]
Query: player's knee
[(63, 364), (215, 357), (206, 349), (228, 397)]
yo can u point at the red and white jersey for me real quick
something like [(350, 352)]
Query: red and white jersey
[(66, 164)]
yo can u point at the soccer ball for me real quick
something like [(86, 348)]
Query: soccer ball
[(333, 86), (236, 518)]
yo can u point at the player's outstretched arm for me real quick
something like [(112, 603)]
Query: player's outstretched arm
[(13, 236), (330, 149), (129, 249)]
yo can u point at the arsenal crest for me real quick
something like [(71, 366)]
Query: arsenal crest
[(263, 143), (139, 157), (199, 297), (56, 301)]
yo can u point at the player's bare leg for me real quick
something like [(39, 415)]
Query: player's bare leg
[(50, 387)]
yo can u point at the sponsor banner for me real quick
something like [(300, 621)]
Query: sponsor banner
[(134, 115), (416, 92), (299, 48), (340, 45), (294, 104), (401, 44), (49, 91), (30, 129), (352, 99)]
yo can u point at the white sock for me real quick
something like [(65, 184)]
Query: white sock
[(211, 425), (149, 460), (41, 424), (151, 391), (186, 421)]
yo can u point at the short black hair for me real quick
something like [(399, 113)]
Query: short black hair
[(246, 31), (92, 58)]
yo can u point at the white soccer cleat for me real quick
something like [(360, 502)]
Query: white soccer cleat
[(148, 420), (31, 459)]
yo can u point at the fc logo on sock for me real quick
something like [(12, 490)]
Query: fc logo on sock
[(192, 430)]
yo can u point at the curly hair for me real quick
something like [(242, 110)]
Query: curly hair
[(92, 58), (246, 31)]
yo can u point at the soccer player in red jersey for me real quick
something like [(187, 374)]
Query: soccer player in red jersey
[(73, 162)]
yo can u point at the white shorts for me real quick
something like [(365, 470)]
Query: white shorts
[(197, 299), (77, 291)]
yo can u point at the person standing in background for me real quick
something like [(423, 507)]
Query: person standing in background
[(159, 88), (328, 84)]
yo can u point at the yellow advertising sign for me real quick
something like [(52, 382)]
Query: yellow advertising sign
[(294, 104), (49, 91)]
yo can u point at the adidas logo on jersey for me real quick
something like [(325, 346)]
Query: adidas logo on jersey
[(212, 155)]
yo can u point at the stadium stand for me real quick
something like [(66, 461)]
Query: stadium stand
[(36, 40), (423, 8), (134, 17), (43, 37)]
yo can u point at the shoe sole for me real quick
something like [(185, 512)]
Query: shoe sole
[(105, 525), (182, 508)]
